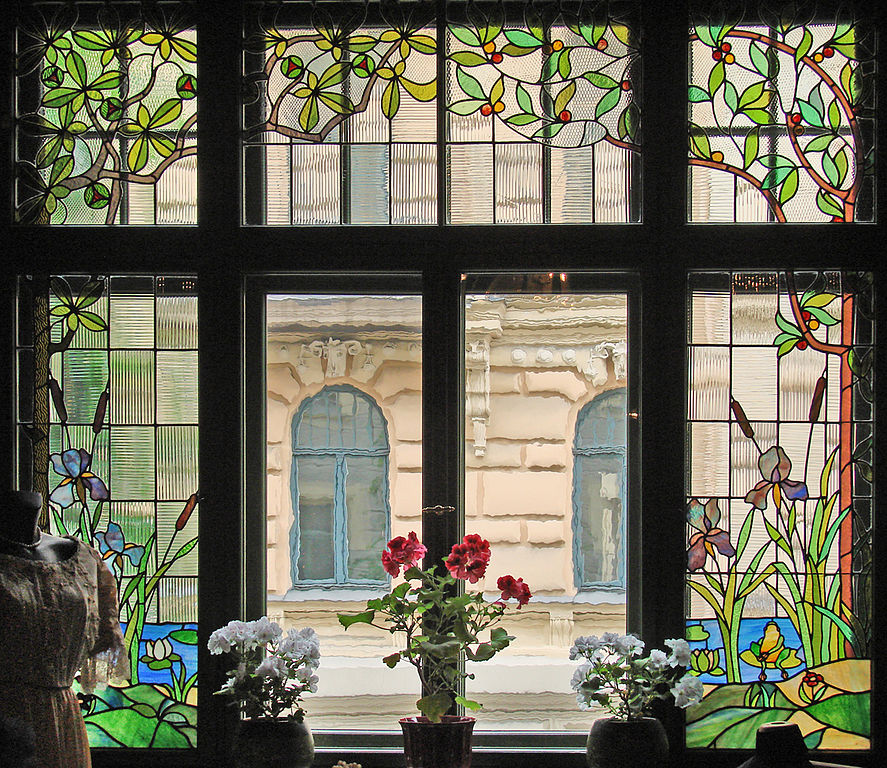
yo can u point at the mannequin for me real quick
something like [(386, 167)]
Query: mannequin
[(20, 536), (59, 617)]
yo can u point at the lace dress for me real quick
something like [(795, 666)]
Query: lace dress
[(56, 619)]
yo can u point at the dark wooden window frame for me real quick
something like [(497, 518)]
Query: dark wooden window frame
[(224, 255)]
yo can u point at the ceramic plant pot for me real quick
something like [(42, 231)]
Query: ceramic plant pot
[(446, 744), (614, 743), (273, 743)]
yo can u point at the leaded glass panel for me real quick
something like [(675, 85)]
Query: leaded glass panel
[(108, 368), (780, 504), (106, 106), (781, 109)]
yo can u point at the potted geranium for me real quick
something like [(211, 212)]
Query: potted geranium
[(270, 673), (617, 676), (440, 627)]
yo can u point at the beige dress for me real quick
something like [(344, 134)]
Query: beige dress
[(57, 619)]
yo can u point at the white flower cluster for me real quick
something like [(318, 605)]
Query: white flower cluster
[(272, 669), (616, 676)]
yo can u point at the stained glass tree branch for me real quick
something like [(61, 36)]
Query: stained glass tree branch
[(564, 79), (779, 107), (117, 108)]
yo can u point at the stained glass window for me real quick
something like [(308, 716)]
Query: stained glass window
[(781, 117), (780, 505), (107, 372), (106, 106), (346, 121)]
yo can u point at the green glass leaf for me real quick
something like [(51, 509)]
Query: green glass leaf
[(464, 35), (391, 99), (548, 131), (522, 118), (776, 161), (184, 636), (360, 43), (466, 106), (756, 96), (90, 40), (420, 91), (334, 74), (750, 149), (786, 326), (48, 153), (563, 67), (137, 157), (166, 113), (695, 94), (704, 33), (759, 58), (775, 177), (609, 100), (789, 187), (810, 114), (819, 144), (61, 169), (731, 97), (828, 204), (422, 43), (107, 81), (834, 115), (59, 97), (524, 101), (818, 300), (468, 58), (522, 39), (804, 47), (564, 98), (820, 314), (842, 165), (498, 90), (716, 77), (470, 86), (601, 80), (76, 67), (163, 145), (830, 169), (699, 144), (759, 116)]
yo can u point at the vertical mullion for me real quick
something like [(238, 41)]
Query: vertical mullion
[(441, 75)]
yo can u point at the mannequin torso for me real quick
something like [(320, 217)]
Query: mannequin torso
[(20, 536)]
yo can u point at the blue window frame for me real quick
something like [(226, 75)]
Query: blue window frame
[(340, 489), (599, 482)]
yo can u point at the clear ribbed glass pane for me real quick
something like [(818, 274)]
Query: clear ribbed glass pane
[(176, 322), (466, 164), (518, 184), (369, 184), (132, 387), (132, 462), (413, 184), (177, 467), (176, 387), (315, 184)]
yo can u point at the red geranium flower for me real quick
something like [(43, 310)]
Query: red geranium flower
[(515, 588), (401, 551), (469, 559)]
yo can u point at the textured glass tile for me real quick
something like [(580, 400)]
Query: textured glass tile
[(177, 462), (132, 319), (470, 202), (84, 375), (413, 184), (369, 184), (709, 459), (754, 383), (132, 387), (518, 184), (177, 600), (316, 181), (132, 462), (709, 383), (176, 322), (572, 185), (177, 387)]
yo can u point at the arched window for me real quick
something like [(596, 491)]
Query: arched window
[(599, 492), (340, 489)]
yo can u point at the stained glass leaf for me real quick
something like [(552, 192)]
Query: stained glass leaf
[(468, 58), (750, 149), (391, 99), (789, 187), (470, 85), (420, 91), (610, 100), (695, 93)]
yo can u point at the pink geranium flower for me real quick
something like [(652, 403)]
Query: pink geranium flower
[(469, 559), (401, 551), (515, 588)]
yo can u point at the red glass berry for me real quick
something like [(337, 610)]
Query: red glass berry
[(795, 117), (802, 344), (496, 58), (806, 315), (828, 52), (726, 47), (626, 85), (716, 55), (602, 44), (565, 116), (486, 109)]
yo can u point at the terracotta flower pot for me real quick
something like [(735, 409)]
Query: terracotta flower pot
[(273, 743), (446, 744), (615, 743)]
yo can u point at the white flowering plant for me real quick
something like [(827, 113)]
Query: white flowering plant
[(617, 676), (272, 670)]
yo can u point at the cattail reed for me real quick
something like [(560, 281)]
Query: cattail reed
[(186, 512), (741, 418), (816, 403), (58, 400), (100, 411)]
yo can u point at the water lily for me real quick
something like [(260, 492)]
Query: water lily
[(775, 467), (73, 466), (710, 538)]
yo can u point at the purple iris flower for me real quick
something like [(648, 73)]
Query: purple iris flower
[(775, 467), (112, 545), (73, 465), (705, 519)]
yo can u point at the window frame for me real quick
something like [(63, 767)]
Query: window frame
[(228, 258)]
